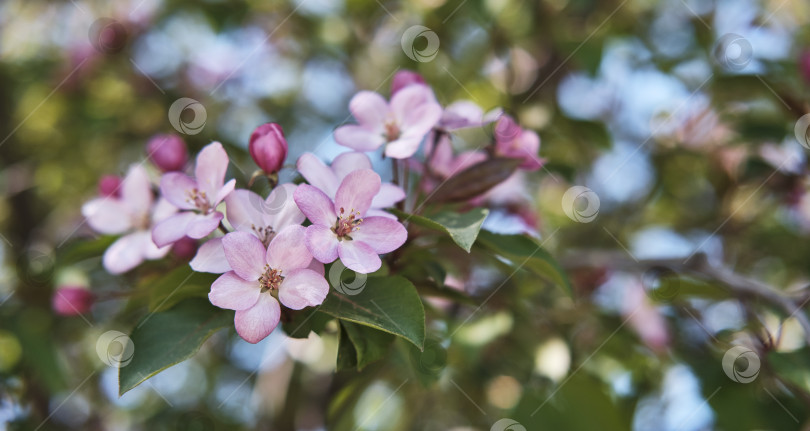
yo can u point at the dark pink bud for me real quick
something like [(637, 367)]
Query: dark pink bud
[(72, 300), (404, 78), (109, 186), (268, 147), (804, 65), (185, 248), (167, 152)]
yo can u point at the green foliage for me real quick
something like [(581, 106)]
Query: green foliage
[(461, 228), (390, 304), (166, 338)]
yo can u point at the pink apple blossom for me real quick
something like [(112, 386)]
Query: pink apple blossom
[(110, 186), (72, 300), (249, 212), (340, 229), (400, 125), (404, 78), (444, 164), (167, 152), (465, 114), (515, 142), (197, 197), (133, 214), (327, 179), (263, 276), (268, 147)]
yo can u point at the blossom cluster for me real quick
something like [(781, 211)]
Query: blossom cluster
[(271, 251)]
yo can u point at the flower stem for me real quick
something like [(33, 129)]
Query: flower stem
[(223, 228)]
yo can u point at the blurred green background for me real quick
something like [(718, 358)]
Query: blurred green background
[(678, 114)]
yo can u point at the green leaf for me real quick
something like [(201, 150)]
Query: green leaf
[(83, 250), (180, 284), (370, 345), (526, 252), (305, 321), (462, 228), (390, 304), (792, 366), (167, 338), (347, 354)]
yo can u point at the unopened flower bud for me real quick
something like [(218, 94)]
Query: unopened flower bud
[(404, 78), (185, 248), (109, 186), (167, 152), (268, 147), (72, 300)]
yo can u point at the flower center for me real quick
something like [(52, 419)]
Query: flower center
[(271, 279), (200, 200), (346, 224), (391, 130), (265, 234)]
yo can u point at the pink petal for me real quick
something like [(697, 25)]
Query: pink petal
[(212, 162), (172, 228), (136, 190), (233, 293), (224, 192), (150, 250), (403, 147), (442, 155), (415, 107), (280, 209), (107, 215), (322, 243), (316, 266), (357, 191), (303, 288), (372, 212), (244, 210), (389, 195), (257, 322), (203, 224), (461, 114), (162, 210), (370, 110), (211, 258), (359, 138), (349, 162), (288, 250), (124, 254), (318, 208), (317, 173), (359, 256), (382, 234), (176, 188), (245, 254), (465, 160)]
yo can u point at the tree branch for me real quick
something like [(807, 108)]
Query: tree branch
[(698, 266)]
